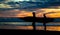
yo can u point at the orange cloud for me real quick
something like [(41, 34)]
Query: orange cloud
[(39, 15), (25, 14), (15, 13), (51, 13)]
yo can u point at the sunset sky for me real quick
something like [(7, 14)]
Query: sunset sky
[(15, 13), (51, 13), (10, 9)]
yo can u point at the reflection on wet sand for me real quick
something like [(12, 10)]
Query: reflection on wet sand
[(48, 28), (39, 27), (53, 28), (17, 27), (22, 27)]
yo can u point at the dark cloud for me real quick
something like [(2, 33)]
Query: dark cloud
[(2, 0)]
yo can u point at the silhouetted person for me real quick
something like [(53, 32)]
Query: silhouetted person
[(46, 20), (34, 21)]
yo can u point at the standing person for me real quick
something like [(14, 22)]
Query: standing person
[(34, 21)]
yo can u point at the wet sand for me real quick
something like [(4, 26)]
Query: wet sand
[(22, 27), (53, 28), (48, 28), (17, 27)]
